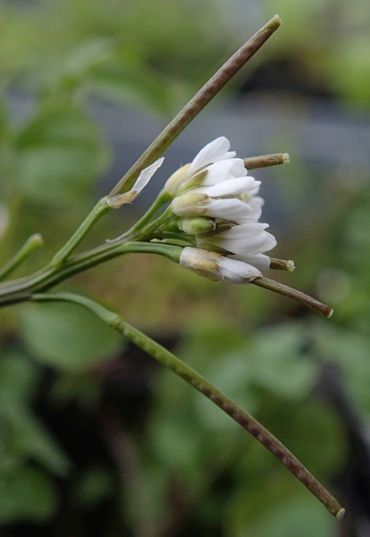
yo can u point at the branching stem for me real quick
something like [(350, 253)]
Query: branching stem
[(200, 383)]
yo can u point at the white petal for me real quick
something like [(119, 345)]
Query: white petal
[(227, 209), (216, 150), (253, 211), (236, 271), (245, 239), (260, 261), (232, 187), (250, 244), (146, 174), (231, 209), (224, 170), (246, 229)]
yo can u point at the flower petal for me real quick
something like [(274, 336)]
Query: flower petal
[(260, 261), (226, 209), (146, 174), (236, 271), (245, 239), (214, 151), (223, 170), (233, 187), (232, 209)]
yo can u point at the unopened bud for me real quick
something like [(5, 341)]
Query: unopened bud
[(217, 267), (196, 226), (189, 204), (173, 183), (194, 181)]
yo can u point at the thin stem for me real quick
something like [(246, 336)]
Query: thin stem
[(263, 161), (140, 231), (200, 383), (160, 200), (197, 103), (32, 243), (21, 290), (289, 292), (97, 212), (170, 132)]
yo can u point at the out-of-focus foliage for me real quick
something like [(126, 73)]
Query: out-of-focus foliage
[(92, 438), (332, 39)]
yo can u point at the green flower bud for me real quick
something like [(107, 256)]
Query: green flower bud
[(196, 226)]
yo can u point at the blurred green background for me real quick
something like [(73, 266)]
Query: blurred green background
[(95, 439)]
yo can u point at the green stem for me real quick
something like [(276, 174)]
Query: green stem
[(97, 212), (170, 133), (197, 103), (34, 242), (200, 383), (141, 231), (21, 289), (160, 200)]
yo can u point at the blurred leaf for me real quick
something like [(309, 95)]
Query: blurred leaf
[(67, 337), (137, 84), (94, 486), (18, 378), (26, 437), (177, 442), (277, 509), (25, 494), (349, 67), (350, 351), (58, 155), (277, 363)]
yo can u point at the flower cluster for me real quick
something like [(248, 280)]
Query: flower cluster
[(217, 203)]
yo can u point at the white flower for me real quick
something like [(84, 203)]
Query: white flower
[(213, 163), (213, 152), (249, 238), (246, 242), (217, 267), (215, 185)]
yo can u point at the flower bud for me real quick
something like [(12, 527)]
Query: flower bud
[(217, 267), (196, 226), (189, 204), (173, 183)]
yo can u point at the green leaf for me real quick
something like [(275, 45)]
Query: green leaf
[(26, 437), (67, 337), (138, 84), (276, 508), (25, 494), (58, 155), (350, 351), (94, 486), (18, 378), (277, 363)]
